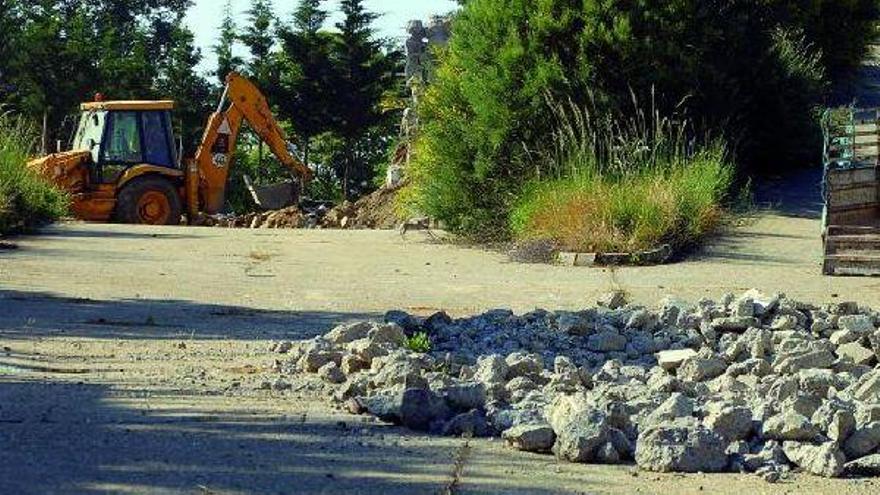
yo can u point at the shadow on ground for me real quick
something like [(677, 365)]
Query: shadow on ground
[(67, 438), (796, 194), (34, 314), (75, 438)]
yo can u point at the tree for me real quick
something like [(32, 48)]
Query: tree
[(305, 74), (364, 72), (10, 31), (65, 51), (258, 38), (179, 80), (746, 70), (227, 61)]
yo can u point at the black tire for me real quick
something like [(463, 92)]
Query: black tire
[(141, 202)]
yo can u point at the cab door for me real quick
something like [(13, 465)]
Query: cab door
[(122, 145)]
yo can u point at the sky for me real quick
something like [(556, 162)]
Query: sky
[(205, 17)]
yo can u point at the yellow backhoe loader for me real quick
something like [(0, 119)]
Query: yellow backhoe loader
[(124, 166)]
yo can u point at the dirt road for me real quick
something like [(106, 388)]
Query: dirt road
[(134, 360)]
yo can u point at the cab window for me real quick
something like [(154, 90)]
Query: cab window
[(158, 149), (123, 139), (90, 132)]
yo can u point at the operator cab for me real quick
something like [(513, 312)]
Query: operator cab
[(122, 134)]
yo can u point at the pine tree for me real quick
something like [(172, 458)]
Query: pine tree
[(364, 73), (179, 80), (258, 38), (227, 61), (305, 73)]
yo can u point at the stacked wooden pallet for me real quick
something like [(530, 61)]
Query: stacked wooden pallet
[(851, 223)]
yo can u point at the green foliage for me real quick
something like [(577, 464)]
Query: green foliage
[(26, 200), (59, 53), (611, 184), (365, 71), (259, 38), (178, 81), (306, 74), (247, 162), (227, 60), (419, 342), (750, 69)]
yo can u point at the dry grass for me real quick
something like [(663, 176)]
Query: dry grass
[(624, 186)]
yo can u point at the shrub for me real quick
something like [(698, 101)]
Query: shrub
[(752, 70), (624, 185), (419, 342), (26, 200)]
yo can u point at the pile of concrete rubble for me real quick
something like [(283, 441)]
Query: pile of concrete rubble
[(377, 210), (753, 383), (287, 218)]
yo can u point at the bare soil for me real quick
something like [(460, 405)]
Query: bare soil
[(135, 360)]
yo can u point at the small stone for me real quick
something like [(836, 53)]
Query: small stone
[(464, 396), (864, 466), (530, 438), (771, 475), (352, 364), (732, 423), (867, 389), (612, 300), (366, 350), (822, 460), (792, 363), (312, 360), (491, 369), (676, 406), (404, 320), (606, 341), (732, 324), (680, 447), (789, 426), (784, 322), (842, 425), (418, 408), (331, 373), (575, 323), (862, 441), (344, 334), (744, 307), (523, 364), (699, 368), (470, 424), (580, 429), (670, 360), (841, 337), (860, 324), (389, 333), (856, 353)]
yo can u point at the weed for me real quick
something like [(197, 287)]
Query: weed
[(419, 342), (26, 200)]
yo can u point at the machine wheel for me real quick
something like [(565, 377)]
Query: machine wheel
[(151, 200)]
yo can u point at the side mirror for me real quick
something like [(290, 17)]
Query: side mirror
[(92, 144)]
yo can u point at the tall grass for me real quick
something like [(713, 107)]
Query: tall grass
[(26, 200), (614, 184)]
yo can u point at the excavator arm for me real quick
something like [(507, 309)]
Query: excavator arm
[(209, 170)]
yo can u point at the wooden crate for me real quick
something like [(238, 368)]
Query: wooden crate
[(851, 224)]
